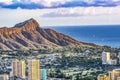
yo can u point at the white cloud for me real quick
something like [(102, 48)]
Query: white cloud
[(83, 11), (75, 16), (7, 2), (35, 4), (115, 0), (46, 3), (50, 3)]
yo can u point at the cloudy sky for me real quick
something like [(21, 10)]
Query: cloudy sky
[(60, 12)]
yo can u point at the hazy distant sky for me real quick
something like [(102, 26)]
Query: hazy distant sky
[(60, 12)]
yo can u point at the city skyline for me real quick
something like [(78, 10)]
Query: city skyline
[(60, 12), (60, 39)]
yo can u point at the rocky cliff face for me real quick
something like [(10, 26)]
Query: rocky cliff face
[(30, 35)]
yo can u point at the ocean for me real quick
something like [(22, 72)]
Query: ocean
[(101, 35)]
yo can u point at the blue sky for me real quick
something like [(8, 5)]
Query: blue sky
[(60, 12)]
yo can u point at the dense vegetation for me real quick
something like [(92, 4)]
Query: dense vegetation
[(79, 61)]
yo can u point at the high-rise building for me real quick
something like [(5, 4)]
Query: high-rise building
[(115, 74), (33, 69), (119, 57), (18, 68), (43, 74), (105, 58), (4, 77), (102, 77)]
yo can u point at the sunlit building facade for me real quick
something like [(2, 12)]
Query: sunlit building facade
[(106, 58), (115, 74), (33, 69), (4, 77), (102, 77), (18, 68)]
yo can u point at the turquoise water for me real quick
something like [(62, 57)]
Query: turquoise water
[(101, 35)]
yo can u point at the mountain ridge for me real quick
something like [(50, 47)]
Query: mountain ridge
[(30, 35)]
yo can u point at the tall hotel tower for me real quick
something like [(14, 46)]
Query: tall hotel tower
[(18, 68), (33, 69), (105, 58)]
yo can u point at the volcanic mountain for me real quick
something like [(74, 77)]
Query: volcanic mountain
[(30, 35)]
